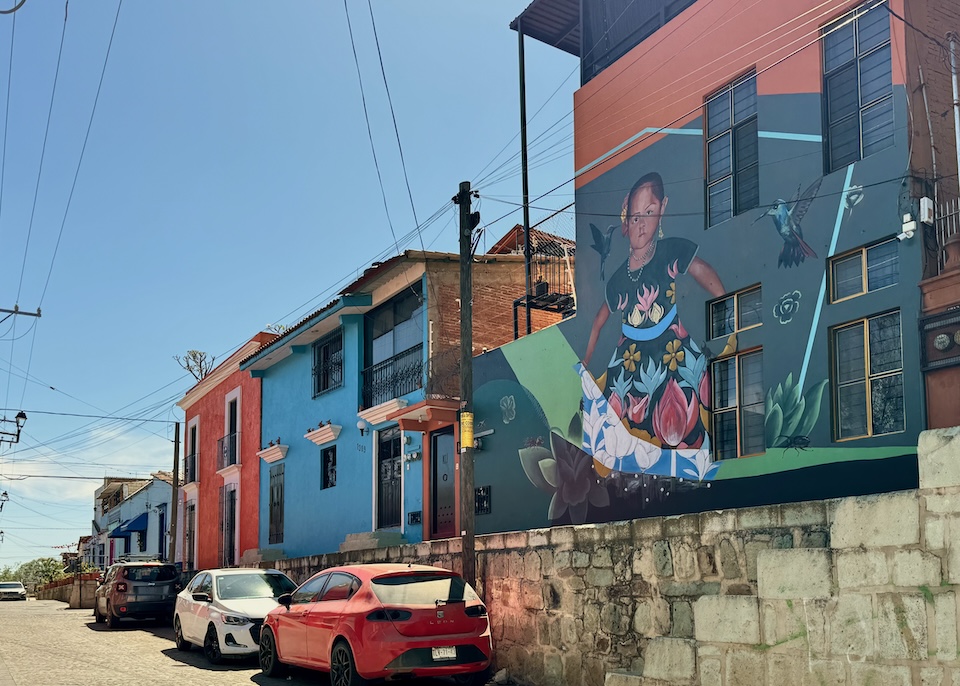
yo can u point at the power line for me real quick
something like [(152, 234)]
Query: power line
[(91, 416)]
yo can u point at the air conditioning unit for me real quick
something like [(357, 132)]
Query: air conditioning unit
[(926, 211)]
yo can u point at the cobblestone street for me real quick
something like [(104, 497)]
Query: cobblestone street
[(44, 643)]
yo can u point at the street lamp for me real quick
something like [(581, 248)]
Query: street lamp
[(19, 420)]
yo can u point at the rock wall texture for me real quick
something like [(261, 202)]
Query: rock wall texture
[(857, 590)]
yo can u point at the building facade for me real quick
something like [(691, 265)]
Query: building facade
[(131, 518)]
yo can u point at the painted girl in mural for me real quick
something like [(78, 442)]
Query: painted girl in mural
[(651, 404)]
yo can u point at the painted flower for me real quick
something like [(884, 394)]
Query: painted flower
[(674, 355), (787, 306), (674, 269), (593, 422), (616, 405), (508, 406), (704, 391), (577, 486), (679, 330), (591, 391), (656, 313), (618, 441), (637, 408), (630, 358), (622, 301), (636, 316), (648, 297), (672, 291), (675, 416)]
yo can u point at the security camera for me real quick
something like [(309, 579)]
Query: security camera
[(904, 235)]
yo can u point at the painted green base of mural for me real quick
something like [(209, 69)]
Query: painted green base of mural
[(543, 363), (785, 459)]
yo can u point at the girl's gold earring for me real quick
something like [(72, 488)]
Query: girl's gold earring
[(661, 231)]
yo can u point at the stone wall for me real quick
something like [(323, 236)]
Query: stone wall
[(851, 591), (75, 590)]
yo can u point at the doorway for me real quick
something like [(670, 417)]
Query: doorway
[(443, 493)]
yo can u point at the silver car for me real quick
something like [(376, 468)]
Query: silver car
[(12, 590), (222, 610)]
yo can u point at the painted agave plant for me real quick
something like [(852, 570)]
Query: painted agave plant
[(791, 414)]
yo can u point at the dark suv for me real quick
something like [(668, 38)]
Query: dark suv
[(137, 590)]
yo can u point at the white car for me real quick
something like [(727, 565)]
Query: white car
[(222, 610)]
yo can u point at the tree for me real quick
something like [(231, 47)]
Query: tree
[(40, 571), (197, 363)]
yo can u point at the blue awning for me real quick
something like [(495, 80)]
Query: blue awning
[(138, 523)]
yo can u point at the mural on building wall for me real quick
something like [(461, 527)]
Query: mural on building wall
[(786, 219)]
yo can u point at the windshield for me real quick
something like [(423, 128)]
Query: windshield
[(11, 584), (422, 589), (151, 573), (237, 586)]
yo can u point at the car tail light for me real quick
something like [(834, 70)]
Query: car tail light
[(121, 587), (389, 615), (476, 611)]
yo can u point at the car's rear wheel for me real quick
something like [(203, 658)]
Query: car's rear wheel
[(270, 663), (472, 679), (182, 643), (343, 670), (211, 646), (112, 620)]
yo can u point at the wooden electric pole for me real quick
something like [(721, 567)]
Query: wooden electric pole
[(175, 500), (468, 222)]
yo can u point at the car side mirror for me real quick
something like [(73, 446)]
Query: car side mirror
[(202, 597), (285, 600)]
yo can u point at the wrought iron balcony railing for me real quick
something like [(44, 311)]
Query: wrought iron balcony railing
[(190, 474), (227, 451), (393, 378)]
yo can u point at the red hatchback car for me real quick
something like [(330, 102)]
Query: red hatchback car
[(375, 621)]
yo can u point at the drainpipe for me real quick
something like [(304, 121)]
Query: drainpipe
[(956, 94)]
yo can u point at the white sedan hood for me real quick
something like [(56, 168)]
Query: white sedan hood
[(255, 608)]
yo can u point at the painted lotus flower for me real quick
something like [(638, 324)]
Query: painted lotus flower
[(508, 407), (636, 316), (679, 330), (648, 297), (630, 358), (674, 355), (704, 391), (616, 405), (637, 408), (591, 391), (622, 301), (576, 483), (655, 313), (646, 454), (618, 441), (674, 269), (675, 416)]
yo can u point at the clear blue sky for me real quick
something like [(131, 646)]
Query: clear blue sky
[(227, 183)]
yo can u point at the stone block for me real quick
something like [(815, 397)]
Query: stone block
[(746, 667), (601, 558), (795, 574), (552, 668), (710, 671), (647, 529), (681, 619), (856, 568), (915, 568), (717, 522), (851, 626), (599, 578), (707, 560), (815, 539), (538, 538), (586, 536), (579, 559), (684, 560), (532, 567), (933, 538), (880, 675), (729, 560), (671, 659), (901, 627), (561, 560), (750, 552), (515, 540), (782, 624), (932, 676), (876, 521), (945, 621), (692, 589), (824, 673), (621, 677), (803, 514), (938, 457), (766, 517), (662, 560), (643, 562), (727, 619), (651, 617), (815, 618), (561, 537), (952, 538), (786, 669), (615, 618), (681, 525), (938, 503), (617, 533)]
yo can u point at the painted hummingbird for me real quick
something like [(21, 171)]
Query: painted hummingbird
[(601, 243), (786, 219)]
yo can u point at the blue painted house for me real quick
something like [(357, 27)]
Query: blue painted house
[(359, 406)]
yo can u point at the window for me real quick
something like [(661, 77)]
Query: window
[(228, 525), (276, 504), (310, 590), (736, 312), (328, 363), (396, 326), (190, 534), (868, 377), (733, 180), (738, 410), (848, 278), (190, 466), (857, 86), (328, 461)]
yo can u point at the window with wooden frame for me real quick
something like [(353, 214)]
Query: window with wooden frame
[(736, 312), (865, 270), (868, 377), (857, 86), (328, 363), (732, 150), (275, 534), (328, 466), (738, 410)]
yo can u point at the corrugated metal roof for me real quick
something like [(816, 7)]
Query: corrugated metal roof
[(554, 22)]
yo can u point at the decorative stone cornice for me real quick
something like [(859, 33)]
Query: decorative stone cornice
[(378, 414), (273, 453), (325, 434)]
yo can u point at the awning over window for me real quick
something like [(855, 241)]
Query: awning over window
[(138, 523)]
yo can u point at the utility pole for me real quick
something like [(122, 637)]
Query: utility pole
[(175, 501), (468, 222), (956, 93), (527, 254)]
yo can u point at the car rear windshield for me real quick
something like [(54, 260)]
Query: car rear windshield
[(11, 584), (151, 573), (236, 586), (421, 589)]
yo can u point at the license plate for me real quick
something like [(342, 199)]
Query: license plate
[(448, 653)]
